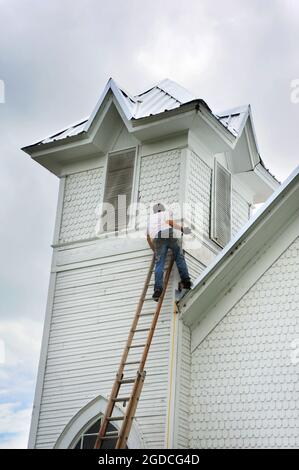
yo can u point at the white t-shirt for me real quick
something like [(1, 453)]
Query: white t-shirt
[(157, 222)]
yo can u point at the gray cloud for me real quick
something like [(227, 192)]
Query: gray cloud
[(55, 58)]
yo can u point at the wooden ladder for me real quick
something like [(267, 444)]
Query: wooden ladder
[(138, 380)]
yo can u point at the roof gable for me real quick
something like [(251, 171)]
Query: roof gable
[(218, 278), (166, 95), (164, 109)]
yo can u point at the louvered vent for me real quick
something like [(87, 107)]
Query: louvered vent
[(119, 181), (221, 205)]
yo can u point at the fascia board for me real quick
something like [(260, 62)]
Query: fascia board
[(244, 121), (253, 128), (52, 147), (254, 156), (219, 128), (262, 173), (154, 118), (36, 148)]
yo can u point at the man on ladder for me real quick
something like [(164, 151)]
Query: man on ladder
[(162, 234)]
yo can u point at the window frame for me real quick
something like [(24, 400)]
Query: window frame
[(84, 432), (131, 224)]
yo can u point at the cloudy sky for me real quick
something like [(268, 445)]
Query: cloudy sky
[(55, 58)]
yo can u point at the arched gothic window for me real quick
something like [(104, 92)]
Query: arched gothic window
[(80, 432), (87, 438)]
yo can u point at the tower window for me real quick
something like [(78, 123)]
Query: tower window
[(87, 438), (118, 191)]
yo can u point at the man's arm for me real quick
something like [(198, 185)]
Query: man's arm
[(180, 227), (149, 241)]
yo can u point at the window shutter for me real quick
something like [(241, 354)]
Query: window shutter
[(221, 205), (119, 182)]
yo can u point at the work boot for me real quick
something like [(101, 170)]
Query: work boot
[(156, 294), (187, 284)]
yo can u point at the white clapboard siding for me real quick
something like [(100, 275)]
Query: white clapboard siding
[(92, 312), (221, 205)]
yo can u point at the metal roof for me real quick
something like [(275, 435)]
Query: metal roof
[(163, 96), (74, 129)]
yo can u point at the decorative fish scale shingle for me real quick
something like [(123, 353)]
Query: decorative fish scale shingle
[(160, 177), (83, 192), (198, 192), (244, 383)]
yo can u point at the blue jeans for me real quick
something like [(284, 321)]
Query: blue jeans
[(161, 247)]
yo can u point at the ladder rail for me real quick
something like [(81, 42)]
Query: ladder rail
[(131, 408), (156, 317), (132, 403), (119, 375), (136, 392)]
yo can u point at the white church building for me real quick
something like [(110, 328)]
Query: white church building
[(222, 371)]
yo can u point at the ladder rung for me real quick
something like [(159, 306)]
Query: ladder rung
[(127, 381), (121, 399), (115, 418), (138, 380)]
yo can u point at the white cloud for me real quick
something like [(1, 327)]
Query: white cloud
[(170, 52), (22, 340), (22, 344), (17, 441), (14, 424)]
